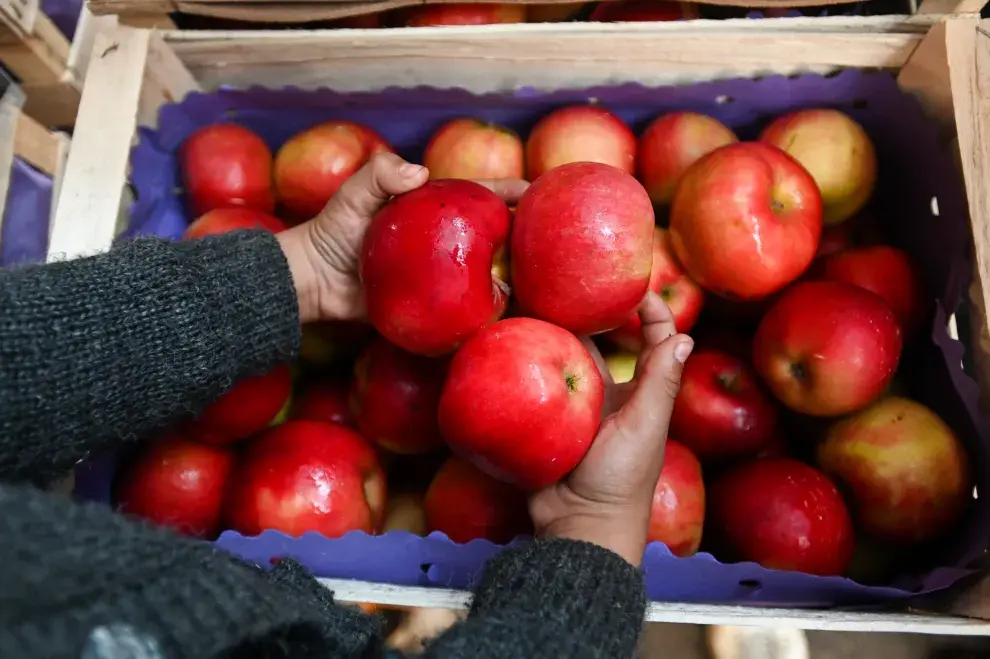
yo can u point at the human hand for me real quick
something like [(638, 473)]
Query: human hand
[(323, 253), (606, 500)]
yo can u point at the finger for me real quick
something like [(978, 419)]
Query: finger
[(596, 354), (656, 324), (509, 189), (382, 177)]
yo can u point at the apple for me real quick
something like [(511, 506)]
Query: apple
[(643, 10), (248, 407), (405, 512), (906, 472), (522, 401), (836, 238), (622, 366), (313, 164), (580, 133), (222, 220), (553, 13), (721, 411), (726, 341), (433, 265), (887, 271), (837, 153), (745, 220), (465, 504), (582, 247), (465, 14), (307, 476), (226, 166), (360, 22), (326, 400), (394, 398), (677, 516), (178, 483), (326, 343), (683, 296), (474, 149), (672, 143), (827, 348), (782, 514)]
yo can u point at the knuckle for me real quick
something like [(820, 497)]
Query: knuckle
[(671, 384)]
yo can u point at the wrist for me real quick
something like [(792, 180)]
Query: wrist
[(623, 534), (305, 277)]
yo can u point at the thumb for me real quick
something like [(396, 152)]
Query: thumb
[(382, 177)]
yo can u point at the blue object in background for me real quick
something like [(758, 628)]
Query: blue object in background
[(26, 216), (64, 13)]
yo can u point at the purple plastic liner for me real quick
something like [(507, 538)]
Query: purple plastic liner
[(24, 232), (64, 13), (914, 169)]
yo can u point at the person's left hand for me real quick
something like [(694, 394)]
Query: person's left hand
[(324, 252)]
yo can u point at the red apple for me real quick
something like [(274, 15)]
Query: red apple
[(782, 514), (465, 504), (433, 265), (683, 296), (465, 14), (745, 220), (522, 401), (906, 472), (553, 13), (827, 348), (837, 153), (643, 10), (248, 407), (177, 483), (405, 512), (474, 149), (721, 411), (394, 398), (307, 476), (677, 517), (671, 144), (886, 271), (222, 220), (312, 165), (326, 400), (328, 342), (226, 166), (581, 133), (582, 247), (836, 238)]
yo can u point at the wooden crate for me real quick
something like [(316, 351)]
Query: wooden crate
[(134, 72), (50, 68)]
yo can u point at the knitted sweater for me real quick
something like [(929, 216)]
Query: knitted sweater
[(100, 352)]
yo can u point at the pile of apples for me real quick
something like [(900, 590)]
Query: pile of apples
[(471, 381)]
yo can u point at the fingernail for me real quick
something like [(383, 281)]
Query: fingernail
[(683, 350), (409, 170)]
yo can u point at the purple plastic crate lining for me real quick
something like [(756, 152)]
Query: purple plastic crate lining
[(914, 170), (64, 13), (24, 232)]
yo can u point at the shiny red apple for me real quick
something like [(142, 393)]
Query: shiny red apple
[(745, 220), (222, 220), (465, 13), (307, 476), (433, 265), (522, 401), (325, 400), (580, 133), (782, 514), (582, 247), (643, 10), (248, 407), (226, 166), (677, 516), (474, 149), (827, 348)]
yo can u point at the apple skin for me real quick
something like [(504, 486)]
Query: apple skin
[(582, 247), (226, 166), (906, 472), (465, 14), (745, 220), (405, 512), (782, 514), (326, 343), (245, 409), (827, 348), (554, 13), (473, 149), (465, 504), (327, 400), (721, 411), (394, 398), (683, 296), (672, 143), (522, 401), (222, 220), (178, 483), (312, 165), (677, 516), (621, 366), (642, 11), (433, 265), (887, 271), (360, 22), (579, 133), (307, 476), (837, 153)]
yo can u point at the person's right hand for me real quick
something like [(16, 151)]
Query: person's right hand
[(606, 500)]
